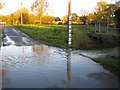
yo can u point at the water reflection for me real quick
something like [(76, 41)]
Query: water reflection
[(51, 67), (41, 48), (101, 76), (23, 49), (25, 56), (68, 64)]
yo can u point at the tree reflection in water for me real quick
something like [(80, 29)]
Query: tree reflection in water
[(38, 49)]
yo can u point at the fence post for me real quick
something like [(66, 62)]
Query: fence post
[(107, 27), (115, 29), (99, 27), (95, 27)]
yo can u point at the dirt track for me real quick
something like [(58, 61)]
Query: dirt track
[(13, 36)]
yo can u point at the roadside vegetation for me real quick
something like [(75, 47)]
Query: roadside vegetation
[(110, 63), (56, 35)]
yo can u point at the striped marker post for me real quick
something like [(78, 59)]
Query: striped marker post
[(69, 24)]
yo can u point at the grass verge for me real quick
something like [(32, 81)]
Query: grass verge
[(56, 35), (110, 63)]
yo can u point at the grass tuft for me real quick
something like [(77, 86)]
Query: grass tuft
[(110, 63)]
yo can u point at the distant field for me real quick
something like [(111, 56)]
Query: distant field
[(56, 35)]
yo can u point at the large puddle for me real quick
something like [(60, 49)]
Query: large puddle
[(51, 67)]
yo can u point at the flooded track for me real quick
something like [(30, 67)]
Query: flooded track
[(41, 66), (50, 67)]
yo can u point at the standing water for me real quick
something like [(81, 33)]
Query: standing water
[(51, 67)]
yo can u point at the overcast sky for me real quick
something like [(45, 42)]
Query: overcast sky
[(56, 7)]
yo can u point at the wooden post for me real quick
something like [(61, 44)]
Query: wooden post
[(99, 27), (107, 27), (69, 24), (95, 28)]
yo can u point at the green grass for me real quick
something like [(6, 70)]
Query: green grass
[(110, 63), (52, 35), (56, 35)]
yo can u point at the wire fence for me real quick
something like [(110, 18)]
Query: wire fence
[(107, 27)]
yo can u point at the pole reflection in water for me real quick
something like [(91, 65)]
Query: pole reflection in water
[(51, 67), (23, 49), (68, 64)]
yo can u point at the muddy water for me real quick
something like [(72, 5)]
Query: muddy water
[(50, 67)]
